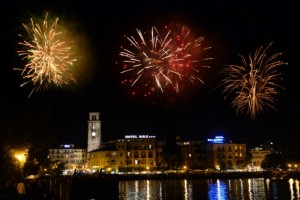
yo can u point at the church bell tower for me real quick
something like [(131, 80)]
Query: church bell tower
[(94, 131)]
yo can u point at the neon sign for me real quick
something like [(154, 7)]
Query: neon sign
[(139, 136), (217, 139)]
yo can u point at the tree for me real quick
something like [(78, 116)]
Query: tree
[(37, 160), (273, 161)]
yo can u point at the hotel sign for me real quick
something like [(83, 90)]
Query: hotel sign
[(139, 136), (217, 139)]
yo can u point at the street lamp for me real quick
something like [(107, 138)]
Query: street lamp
[(20, 156)]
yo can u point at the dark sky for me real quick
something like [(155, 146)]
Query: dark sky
[(231, 28)]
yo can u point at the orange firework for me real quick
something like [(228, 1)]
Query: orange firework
[(48, 55), (253, 84)]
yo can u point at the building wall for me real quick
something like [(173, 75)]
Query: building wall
[(72, 158), (127, 156), (226, 156), (203, 155), (258, 155)]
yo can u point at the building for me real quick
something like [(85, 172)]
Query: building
[(260, 153), (94, 132), (216, 153), (190, 153), (134, 153), (72, 157)]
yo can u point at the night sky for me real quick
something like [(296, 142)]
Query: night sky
[(231, 28)]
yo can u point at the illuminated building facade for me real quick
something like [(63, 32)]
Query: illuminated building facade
[(258, 155), (216, 153), (134, 153), (72, 157), (260, 152)]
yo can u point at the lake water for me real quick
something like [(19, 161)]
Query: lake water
[(211, 189)]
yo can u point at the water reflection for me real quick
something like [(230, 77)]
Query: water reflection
[(297, 189), (217, 190), (188, 190), (212, 189), (294, 188)]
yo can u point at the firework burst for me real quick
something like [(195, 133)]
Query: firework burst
[(186, 62), (48, 55), (163, 62), (254, 84)]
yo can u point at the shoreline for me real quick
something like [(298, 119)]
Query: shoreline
[(204, 175)]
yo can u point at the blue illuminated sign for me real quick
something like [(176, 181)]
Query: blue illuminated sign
[(217, 139)]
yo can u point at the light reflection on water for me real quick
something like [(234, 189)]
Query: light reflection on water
[(211, 189)]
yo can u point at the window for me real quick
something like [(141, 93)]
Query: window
[(136, 154), (151, 162), (143, 154)]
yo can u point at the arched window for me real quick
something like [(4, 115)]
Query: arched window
[(136, 154), (143, 154), (151, 162)]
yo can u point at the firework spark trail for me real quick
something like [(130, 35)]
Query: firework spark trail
[(164, 61), (147, 60), (48, 55), (253, 84), (183, 63)]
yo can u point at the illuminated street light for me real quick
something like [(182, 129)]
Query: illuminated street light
[(20, 156)]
